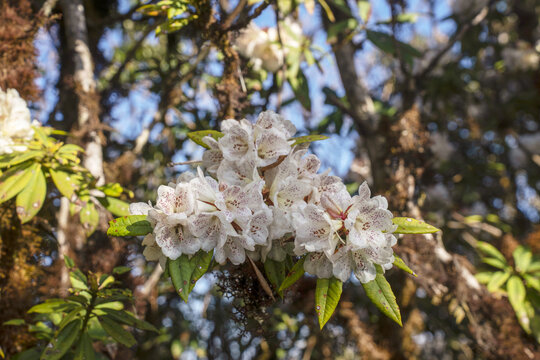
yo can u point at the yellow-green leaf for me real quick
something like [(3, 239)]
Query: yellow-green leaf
[(308, 139), (408, 225), (15, 179), (400, 264), (30, 200), (497, 280), (89, 217), (67, 183), (115, 206), (197, 136), (490, 250), (523, 258), (381, 294), (327, 295)]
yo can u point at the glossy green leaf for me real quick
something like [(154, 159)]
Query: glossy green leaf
[(85, 350), (294, 275), (15, 179), (400, 264), (489, 250), (50, 306), (408, 225), (89, 217), (132, 225), (497, 280), (275, 271), (327, 295), (381, 294), (197, 136), (308, 139), (62, 342), (66, 182), (30, 200), (522, 258), (185, 271), (115, 206), (116, 331)]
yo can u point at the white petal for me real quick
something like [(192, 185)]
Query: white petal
[(139, 208)]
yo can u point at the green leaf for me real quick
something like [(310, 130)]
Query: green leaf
[(523, 258), (62, 341), (497, 280), (400, 264), (116, 331), (15, 179), (341, 27), (185, 271), (532, 282), (495, 263), (327, 295), (132, 225), (115, 206), (364, 10), (516, 295), (197, 136), (78, 280), (85, 350), (408, 225), (294, 275), (129, 319), (114, 189), (31, 198), (534, 266), (388, 44), (71, 316), (67, 183), (121, 270), (300, 87), (308, 139), (276, 271), (19, 158), (380, 293), (15, 322), (49, 306), (490, 250), (484, 277), (69, 262), (89, 217)]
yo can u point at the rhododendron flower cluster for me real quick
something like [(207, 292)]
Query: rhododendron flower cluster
[(262, 196), (15, 122)]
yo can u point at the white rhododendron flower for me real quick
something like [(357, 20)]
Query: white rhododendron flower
[(262, 46), (263, 198), (15, 122)]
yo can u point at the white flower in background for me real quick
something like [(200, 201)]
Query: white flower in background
[(441, 147), (15, 122), (262, 46), (521, 58), (265, 200)]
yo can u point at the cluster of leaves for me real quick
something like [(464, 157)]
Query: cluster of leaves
[(178, 13), (95, 311), (186, 270), (24, 175), (521, 283)]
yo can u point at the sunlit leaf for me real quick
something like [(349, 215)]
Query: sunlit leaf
[(30, 200), (89, 217), (381, 294), (522, 258), (67, 183), (115, 206), (308, 139), (408, 225), (497, 280), (15, 179), (327, 295), (132, 225), (400, 264), (490, 250), (197, 136)]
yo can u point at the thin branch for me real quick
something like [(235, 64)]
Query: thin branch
[(237, 10)]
